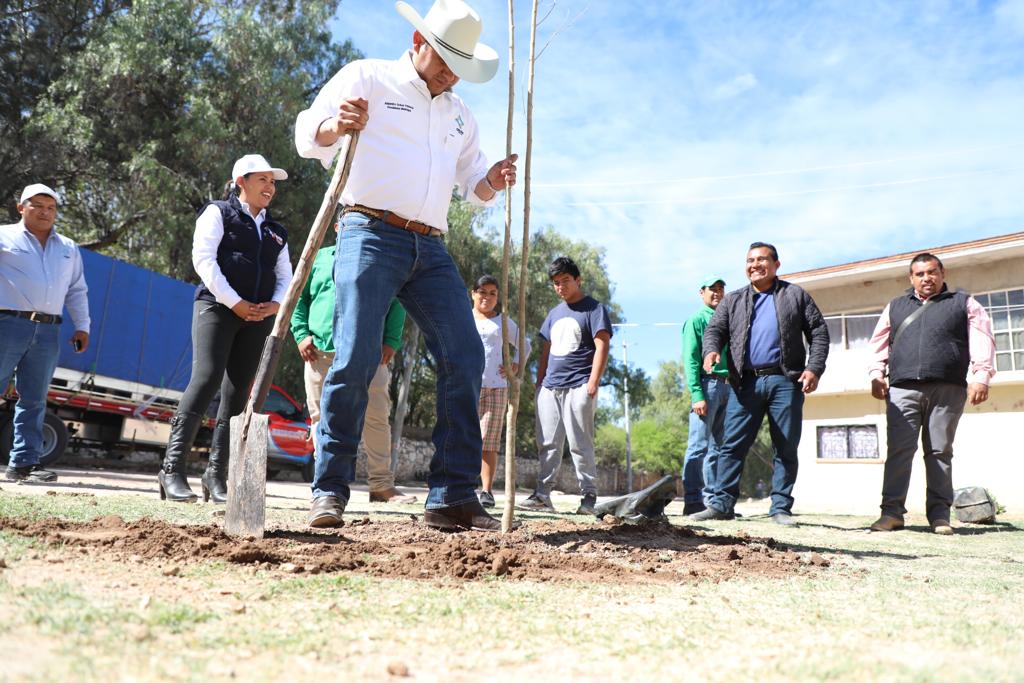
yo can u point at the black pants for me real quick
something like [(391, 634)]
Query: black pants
[(226, 351)]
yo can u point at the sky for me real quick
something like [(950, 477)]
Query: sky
[(675, 134)]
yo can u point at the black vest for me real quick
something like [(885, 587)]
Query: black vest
[(247, 256), (932, 348)]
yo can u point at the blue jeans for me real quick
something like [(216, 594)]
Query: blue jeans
[(782, 400), (373, 263), (704, 443), (29, 352)]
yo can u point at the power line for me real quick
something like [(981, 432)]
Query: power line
[(794, 193), (766, 174)]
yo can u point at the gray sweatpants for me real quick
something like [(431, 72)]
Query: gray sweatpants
[(565, 413), (931, 410)]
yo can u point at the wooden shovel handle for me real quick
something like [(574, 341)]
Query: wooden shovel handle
[(272, 347)]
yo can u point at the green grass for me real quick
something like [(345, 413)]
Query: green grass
[(903, 606)]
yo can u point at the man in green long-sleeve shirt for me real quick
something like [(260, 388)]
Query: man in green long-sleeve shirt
[(312, 327), (709, 394)]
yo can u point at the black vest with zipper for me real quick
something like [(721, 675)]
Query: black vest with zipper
[(933, 348), (247, 254)]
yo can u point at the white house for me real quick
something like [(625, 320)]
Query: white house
[(843, 447)]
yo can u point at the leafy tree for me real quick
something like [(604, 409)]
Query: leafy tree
[(618, 378), (38, 40)]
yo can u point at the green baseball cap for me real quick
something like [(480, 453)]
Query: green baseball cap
[(708, 281)]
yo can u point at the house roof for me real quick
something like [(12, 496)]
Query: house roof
[(948, 251)]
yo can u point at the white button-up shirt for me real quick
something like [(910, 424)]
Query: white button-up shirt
[(206, 240), (415, 149), (42, 279)]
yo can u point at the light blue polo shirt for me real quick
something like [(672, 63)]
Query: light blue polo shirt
[(42, 279)]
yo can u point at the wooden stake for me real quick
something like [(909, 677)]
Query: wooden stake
[(510, 427)]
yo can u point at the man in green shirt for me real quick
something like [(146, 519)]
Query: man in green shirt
[(312, 327), (709, 394)]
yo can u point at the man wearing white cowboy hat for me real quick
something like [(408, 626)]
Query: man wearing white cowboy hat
[(40, 273), (418, 143)]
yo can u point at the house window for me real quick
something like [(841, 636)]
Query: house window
[(851, 330), (848, 442), (1006, 308)]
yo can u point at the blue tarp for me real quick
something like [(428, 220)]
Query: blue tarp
[(141, 325)]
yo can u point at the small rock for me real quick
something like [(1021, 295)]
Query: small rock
[(398, 669), (135, 558), (742, 534), (3, 563), (818, 560), (414, 518), (499, 566), (53, 559), (145, 601), (217, 513), (238, 607), (139, 633), (173, 570), (289, 568), (610, 519)]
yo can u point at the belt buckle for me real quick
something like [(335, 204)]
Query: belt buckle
[(33, 317)]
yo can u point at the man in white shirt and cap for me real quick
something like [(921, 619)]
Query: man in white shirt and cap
[(40, 273), (418, 143)]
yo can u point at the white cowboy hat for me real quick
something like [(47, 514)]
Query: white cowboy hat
[(453, 29), (255, 163)]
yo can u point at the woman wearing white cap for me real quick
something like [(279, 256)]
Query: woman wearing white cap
[(241, 256)]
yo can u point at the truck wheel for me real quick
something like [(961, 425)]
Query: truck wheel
[(55, 439), (307, 470)]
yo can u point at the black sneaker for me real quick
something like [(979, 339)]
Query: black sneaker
[(587, 504), (536, 503), (30, 474), (486, 499)]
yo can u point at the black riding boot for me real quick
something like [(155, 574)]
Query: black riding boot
[(214, 486), (173, 484)]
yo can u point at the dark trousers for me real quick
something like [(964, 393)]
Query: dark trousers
[(226, 351), (932, 411), (782, 400)]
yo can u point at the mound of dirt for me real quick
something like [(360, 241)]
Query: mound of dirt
[(559, 551)]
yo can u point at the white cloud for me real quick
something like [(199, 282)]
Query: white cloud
[(736, 86)]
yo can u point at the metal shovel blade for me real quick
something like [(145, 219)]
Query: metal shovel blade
[(245, 511)]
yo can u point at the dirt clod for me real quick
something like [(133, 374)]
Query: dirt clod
[(398, 669)]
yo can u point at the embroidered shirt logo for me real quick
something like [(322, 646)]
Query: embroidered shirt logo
[(459, 124)]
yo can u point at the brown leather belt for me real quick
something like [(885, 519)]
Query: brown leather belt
[(394, 220)]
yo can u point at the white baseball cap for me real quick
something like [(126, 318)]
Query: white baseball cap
[(255, 163), (37, 188)]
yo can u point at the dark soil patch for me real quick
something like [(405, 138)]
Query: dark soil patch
[(560, 551)]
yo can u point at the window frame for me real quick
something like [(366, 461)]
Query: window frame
[(879, 458)]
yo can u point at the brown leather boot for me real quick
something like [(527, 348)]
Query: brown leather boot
[(887, 523)]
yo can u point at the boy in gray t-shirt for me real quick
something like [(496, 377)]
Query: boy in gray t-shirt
[(576, 337)]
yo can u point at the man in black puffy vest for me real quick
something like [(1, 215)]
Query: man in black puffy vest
[(936, 347)]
